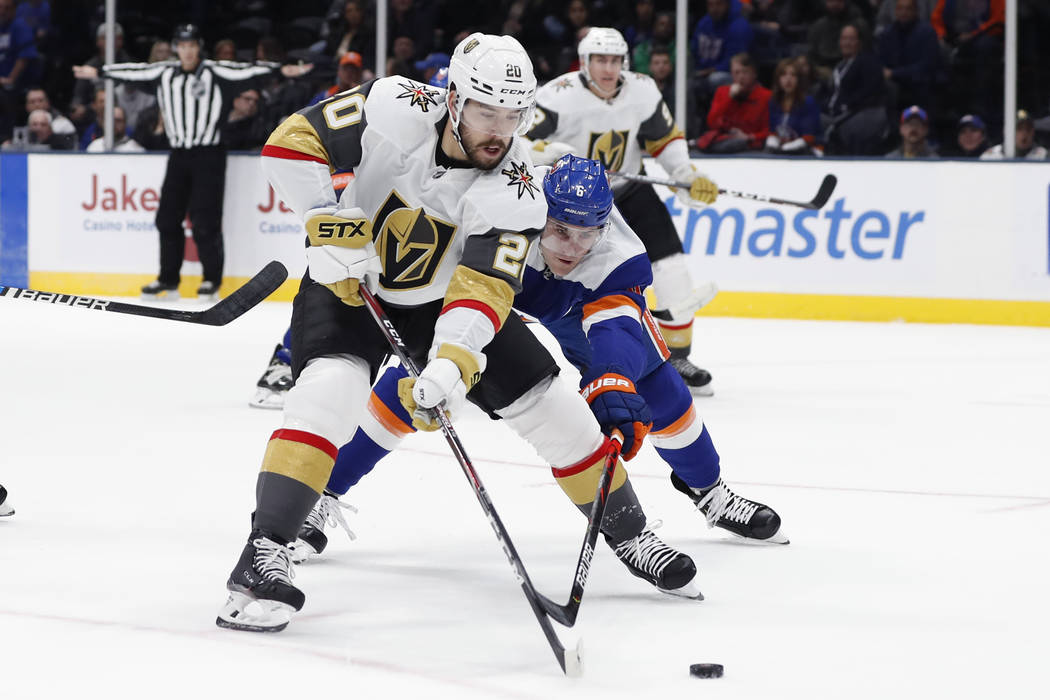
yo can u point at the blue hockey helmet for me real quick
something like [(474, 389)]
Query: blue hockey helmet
[(440, 78), (578, 192)]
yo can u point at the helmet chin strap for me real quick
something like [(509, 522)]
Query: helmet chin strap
[(604, 94)]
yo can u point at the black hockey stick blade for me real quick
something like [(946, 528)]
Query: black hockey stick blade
[(824, 193), (255, 290)]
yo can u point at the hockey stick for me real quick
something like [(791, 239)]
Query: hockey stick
[(264, 283), (571, 661), (827, 186), (566, 614)]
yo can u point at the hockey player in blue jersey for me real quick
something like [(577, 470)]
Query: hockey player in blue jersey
[(584, 282)]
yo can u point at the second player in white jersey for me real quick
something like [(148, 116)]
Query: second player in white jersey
[(610, 114)]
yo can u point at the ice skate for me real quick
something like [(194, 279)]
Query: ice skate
[(650, 558), (5, 507), (274, 384), (744, 518), (208, 291), (159, 291), (698, 380), (312, 539), (262, 597)]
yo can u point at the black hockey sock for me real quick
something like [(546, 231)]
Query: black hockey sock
[(282, 504), (624, 518)]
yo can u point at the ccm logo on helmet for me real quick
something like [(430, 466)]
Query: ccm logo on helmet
[(512, 91)]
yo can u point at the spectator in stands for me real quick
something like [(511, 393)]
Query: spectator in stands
[(857, 105), (225, 50), (149, 130), (122, 142), (431, 65), (415, 20), (663, 36), (351, 32), (17, 51), (641, 28), (824, 45), (718, 36), (160, 51), (910, 55), (36, 98), (1024, 142), (245, 129), (971, 140), (770, 43), (81, 113), (661, 70), (96, 127), (347, 76), (40, 136), (794, 116), (887, 13), (915, 126), (402, 61), (973, 32), (37, 16), (739, 116)]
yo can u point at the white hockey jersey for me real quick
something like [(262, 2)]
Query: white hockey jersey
[(613, 131), (428, 218)]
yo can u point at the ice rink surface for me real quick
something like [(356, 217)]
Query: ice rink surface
[(909, 464)]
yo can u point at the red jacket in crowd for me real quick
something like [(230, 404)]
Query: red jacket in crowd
[(750, 114)]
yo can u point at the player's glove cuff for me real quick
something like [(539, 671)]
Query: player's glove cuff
[(618, 408), (701, 189)]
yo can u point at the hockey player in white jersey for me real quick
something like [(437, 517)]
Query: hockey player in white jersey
[(438, 221), (609, 113), (583, 283)]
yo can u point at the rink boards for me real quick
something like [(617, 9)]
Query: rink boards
[(920, 241)]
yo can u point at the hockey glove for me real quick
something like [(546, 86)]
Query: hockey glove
[(617, 406), (443, 384), (548, 152), (341, 253), (701, 190)]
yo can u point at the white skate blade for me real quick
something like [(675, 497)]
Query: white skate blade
[(6, 510), (268, 399), (301, 551), (246, 614), (689, 590), (574, 660), (702, 391)]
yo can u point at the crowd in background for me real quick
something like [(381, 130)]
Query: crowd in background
[(913, 78)]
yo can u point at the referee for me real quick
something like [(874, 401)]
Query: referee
[(194, 96)]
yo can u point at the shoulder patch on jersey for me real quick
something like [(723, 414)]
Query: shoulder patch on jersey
[(521, 176), (418, 95), (563, 84)]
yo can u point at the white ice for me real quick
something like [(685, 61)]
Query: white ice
[(909, 463)]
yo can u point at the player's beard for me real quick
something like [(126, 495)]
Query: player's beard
[(476, 151)]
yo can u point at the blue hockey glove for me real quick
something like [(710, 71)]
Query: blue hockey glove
[(617, 406)]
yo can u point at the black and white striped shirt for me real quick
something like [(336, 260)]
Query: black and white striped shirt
[(194, 105)]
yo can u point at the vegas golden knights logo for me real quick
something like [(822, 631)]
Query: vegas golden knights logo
[(410, 244), (609, 147)]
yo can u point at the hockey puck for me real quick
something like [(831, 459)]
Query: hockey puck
[(706, 670)]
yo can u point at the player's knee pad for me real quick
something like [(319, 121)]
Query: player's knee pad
[(328, 397), (556, 421)]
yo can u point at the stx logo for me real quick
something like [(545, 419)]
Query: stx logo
[(608, 382), (350, 228)]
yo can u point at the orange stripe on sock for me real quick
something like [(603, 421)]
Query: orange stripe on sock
[(387, 418), (678, 426)]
